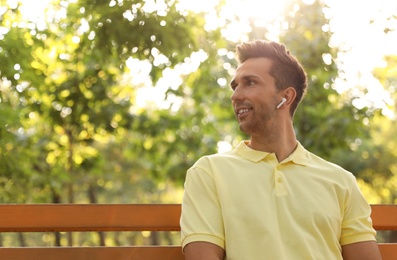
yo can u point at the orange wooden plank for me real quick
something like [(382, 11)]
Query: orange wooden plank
[(89, 217), (122, 217), (388, 251), (94, 253), (384, 217)]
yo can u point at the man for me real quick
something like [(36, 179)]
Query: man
[(270, 198)]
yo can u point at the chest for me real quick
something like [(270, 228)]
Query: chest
[(271, 193)]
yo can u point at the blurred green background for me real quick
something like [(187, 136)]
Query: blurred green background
[(112, 101)]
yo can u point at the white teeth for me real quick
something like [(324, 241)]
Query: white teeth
[(243, 110)]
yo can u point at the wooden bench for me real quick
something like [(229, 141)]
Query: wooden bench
[(121, 217)]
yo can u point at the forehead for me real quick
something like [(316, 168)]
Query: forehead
[(259, 66), (254, 66)]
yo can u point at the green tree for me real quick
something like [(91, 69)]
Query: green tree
[(74, 105), (326, 121), (380, 155)]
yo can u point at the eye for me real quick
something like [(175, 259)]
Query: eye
[(251, 82)]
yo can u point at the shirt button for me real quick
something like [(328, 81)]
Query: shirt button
[(279, 180)]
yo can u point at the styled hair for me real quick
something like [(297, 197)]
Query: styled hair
[(286, 69)]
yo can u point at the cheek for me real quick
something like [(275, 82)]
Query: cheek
[(265, 105)]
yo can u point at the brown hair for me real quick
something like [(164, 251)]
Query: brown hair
[(286, 69)]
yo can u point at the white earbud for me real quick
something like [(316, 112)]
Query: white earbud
[(283, 100)]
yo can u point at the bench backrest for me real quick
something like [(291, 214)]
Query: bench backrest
[(122, 217)]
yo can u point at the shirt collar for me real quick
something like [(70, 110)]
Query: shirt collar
[(299, 156)]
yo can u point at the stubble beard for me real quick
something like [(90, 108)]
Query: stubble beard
[(262, 127)]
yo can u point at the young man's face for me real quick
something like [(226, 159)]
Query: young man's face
[(255, 96)]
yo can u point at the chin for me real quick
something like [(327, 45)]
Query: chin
[(244, 129)]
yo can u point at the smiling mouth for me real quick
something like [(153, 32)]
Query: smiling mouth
[(242, 111)]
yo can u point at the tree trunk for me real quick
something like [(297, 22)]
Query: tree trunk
[(154, 238), (56, 198), (21, 239), (392, 237), (93, 200), (69, 235)]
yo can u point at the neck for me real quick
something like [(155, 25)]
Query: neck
[(282, 143)]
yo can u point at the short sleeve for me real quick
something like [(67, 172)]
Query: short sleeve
[(201, 218), (357, 223)]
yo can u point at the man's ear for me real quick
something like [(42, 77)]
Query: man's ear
[(289, 95)]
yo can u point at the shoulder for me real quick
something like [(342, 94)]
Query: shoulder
[(326, 167), (216, 158)]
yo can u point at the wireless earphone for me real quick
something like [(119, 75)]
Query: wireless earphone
[(283, 100)]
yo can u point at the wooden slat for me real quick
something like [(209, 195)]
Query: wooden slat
[(384, 217), (388, 251), (94, 253), (122, 217), (89, 217)]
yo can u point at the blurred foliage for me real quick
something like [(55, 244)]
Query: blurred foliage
[(72, 128), (325, 121)]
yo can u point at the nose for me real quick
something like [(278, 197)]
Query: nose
[(237, 94)]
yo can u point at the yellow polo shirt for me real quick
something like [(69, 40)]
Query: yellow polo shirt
[(254, 207)]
